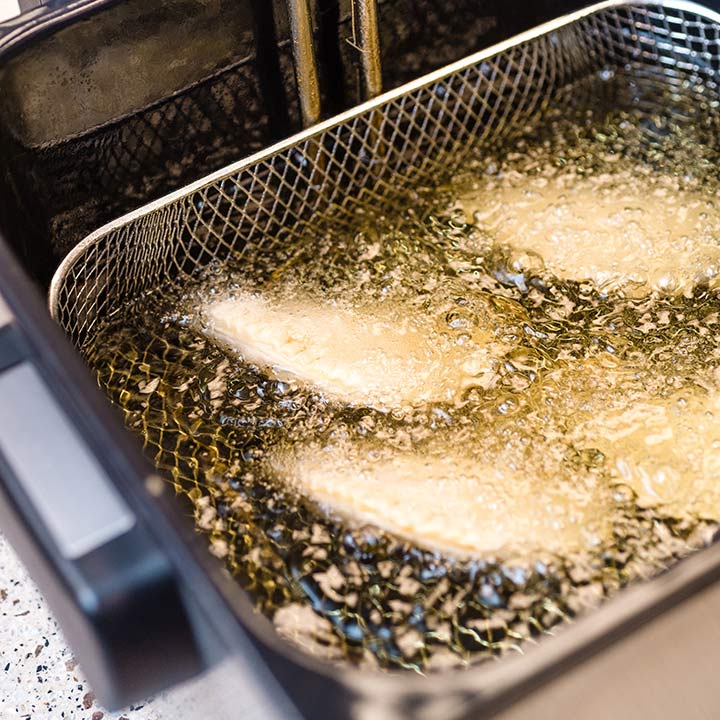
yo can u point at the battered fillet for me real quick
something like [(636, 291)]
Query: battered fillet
[(377, 356), (666, 450), (452, 503), (613, 229)]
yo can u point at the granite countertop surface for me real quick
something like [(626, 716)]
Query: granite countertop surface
[(40, 679), (39, 676)]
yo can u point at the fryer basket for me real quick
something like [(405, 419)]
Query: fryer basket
[(416, 135)]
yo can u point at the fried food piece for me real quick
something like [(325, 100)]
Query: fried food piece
[(376, 356), (666, 450), (451, 502), (613, 229)]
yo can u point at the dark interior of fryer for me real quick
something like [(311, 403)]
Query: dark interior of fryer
[(139, 98)]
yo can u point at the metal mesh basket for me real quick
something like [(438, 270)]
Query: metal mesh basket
[(417, 134), (420, 134)]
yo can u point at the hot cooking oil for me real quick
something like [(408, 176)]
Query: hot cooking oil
[(433, 439)]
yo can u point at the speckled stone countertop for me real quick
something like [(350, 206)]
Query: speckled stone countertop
[(41, 680)]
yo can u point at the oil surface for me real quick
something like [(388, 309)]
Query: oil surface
[(596, 409)]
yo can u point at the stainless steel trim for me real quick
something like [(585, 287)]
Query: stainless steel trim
[(665, 669)]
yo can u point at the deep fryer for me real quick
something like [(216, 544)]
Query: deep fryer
[(96, 123)]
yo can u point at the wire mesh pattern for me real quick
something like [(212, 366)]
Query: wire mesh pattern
[(312, 183)]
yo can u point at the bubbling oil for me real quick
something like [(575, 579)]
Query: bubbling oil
[(580, 456)]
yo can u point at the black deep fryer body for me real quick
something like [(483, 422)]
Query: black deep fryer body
[(108, 104)]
